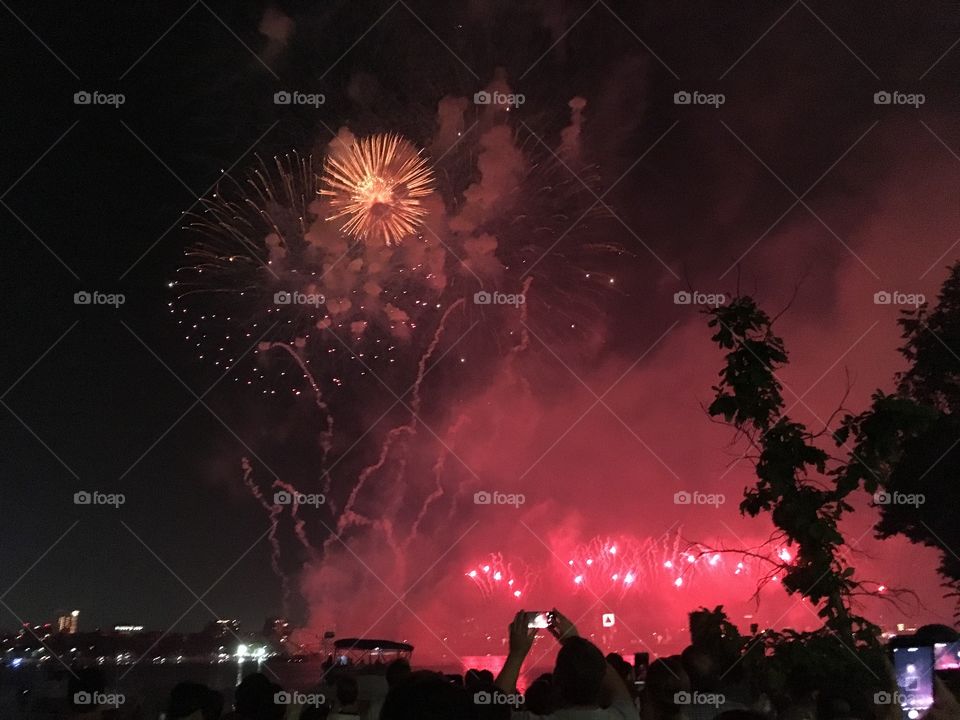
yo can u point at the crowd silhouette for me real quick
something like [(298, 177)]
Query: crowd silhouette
[(584, 684)]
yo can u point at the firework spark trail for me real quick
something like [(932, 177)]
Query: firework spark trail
[(326, 441), (298, 523), (349, 516), (425, 358), (494, 574), (274, 512), (438, 468), (524, 333)]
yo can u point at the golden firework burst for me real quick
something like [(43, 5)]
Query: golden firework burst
[(377, 185)]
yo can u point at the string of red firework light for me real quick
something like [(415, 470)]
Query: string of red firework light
[(624, 564)]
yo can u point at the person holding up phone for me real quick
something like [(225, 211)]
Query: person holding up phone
[(589, 688)]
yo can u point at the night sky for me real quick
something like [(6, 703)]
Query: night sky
[(798, 186)]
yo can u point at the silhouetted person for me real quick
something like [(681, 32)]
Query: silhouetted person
[(710, 698), (701, 668), (741, 714), (579, 673), (427, 696), (348, 696), (624, 670), (472, 680), (587, 686), (194, 701), (541, 696), (397, 671), (665, 679), (486, 676), (254, 699), (83, 687), (315, 712)]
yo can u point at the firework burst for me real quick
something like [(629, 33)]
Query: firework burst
[(270, 264), (279, 272), (376, 185), (495, 576), (617, 566)]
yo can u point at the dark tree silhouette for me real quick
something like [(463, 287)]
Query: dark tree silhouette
[(794, 483), (907, 445)]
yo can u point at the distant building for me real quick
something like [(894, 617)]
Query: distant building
[(127, 629), (276, 628), (222, 628), (69, 624)]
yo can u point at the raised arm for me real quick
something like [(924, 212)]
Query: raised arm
[(521, 640)]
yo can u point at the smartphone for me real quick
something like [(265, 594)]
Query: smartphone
[(641, 663), (946, 656), (539, 619), (913, 667)]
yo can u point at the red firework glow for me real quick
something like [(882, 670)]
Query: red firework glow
[(614, 567)]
